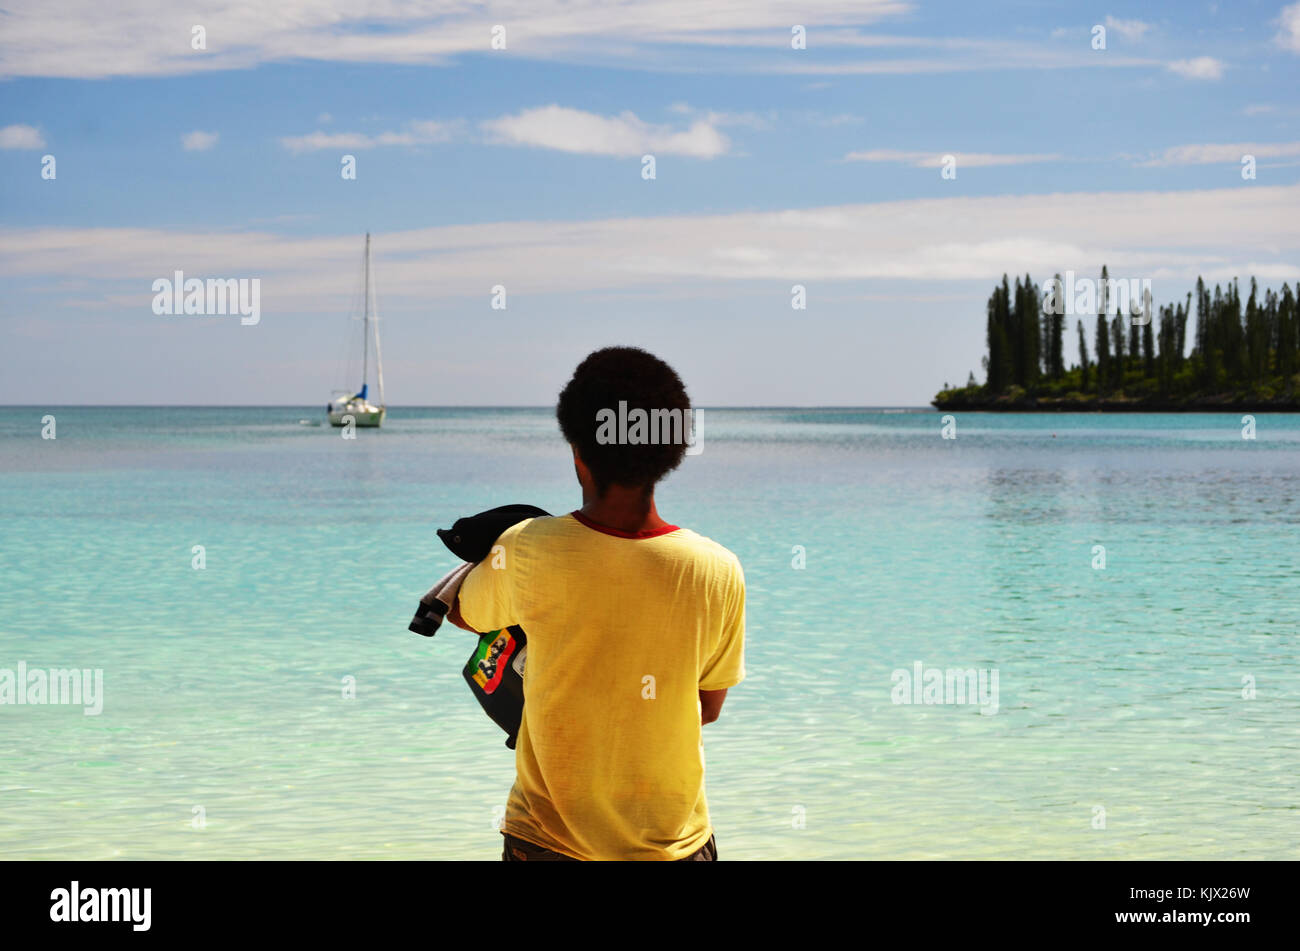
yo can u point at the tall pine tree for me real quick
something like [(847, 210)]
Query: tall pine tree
[(1083, 360), (1056, 349), (1031, 334), (1148, 349), (1165, 359), (1103, 354), (999, 366), (1287, 334), (1117, 359), (1180, 333)]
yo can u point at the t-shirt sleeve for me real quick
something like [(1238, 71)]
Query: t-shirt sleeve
[(487, 596), (726, 667)]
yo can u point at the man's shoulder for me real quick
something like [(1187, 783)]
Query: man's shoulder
[(542, 534), (541, 526), (514, 531), (688, 542), (707, 549)]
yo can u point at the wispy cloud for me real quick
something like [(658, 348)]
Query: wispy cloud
[(415, 132), (198, 141), (751, 120), (936, 159), (1202, 67), (21, 137), (1128, 29), (1161, 234), (559, 128), (91, 39), (1229, 153), (625, 135)]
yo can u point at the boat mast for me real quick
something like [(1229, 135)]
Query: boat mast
[(379, 354), (365, 336)]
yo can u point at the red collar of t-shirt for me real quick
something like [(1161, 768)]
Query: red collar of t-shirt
[(619, 533)]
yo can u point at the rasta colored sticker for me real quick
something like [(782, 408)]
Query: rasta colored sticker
[(489, 662)]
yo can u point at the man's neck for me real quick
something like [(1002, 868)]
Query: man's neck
[(627, 510)]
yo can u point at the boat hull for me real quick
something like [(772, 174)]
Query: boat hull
[(369, 417)]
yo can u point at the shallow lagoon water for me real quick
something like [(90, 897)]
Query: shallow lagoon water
[(1124, 689)]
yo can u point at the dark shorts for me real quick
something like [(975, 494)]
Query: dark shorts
[(517, 850)]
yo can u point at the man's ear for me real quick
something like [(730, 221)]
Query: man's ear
[(580, 467), (585, 478)]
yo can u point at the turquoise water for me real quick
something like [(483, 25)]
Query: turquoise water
[(1120, 689)]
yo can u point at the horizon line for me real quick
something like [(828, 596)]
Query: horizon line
[(546, 406)]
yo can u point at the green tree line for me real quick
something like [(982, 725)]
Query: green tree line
[(1252, 348)]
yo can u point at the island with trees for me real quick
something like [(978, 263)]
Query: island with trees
[(1242, 358)]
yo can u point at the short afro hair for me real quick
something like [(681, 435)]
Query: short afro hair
[(642, 381)]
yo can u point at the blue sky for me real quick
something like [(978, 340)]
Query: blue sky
[(522, 167)]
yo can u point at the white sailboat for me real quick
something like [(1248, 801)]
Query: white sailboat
[(344, 405)]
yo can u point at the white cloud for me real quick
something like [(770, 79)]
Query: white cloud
[(92, 39), (625, 135), (1129, 29), (1161, 234), (198, 141), (1202, 67), (324, 119), (935, 159), (21, 137), (1259, 110), (1288, 34), (416, 132), (1229, 153)]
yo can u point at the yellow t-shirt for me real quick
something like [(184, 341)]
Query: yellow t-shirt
[(623, 633)]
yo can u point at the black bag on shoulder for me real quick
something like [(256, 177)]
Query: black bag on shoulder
[(495, 671)]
